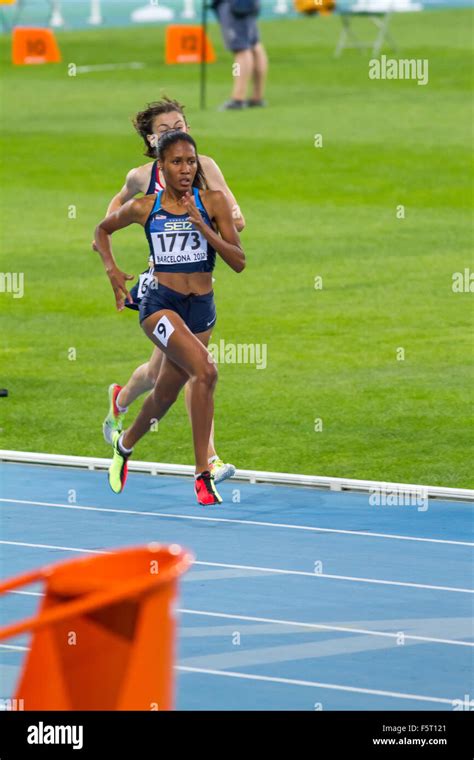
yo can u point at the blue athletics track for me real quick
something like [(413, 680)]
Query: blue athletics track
[(299, 599)]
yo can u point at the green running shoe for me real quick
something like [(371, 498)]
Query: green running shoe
[(221, 471), (118, 469), (114, 421)]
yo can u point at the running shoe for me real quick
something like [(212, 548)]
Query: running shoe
[(221, 471), (113, 423), (205, 489), (118, 468)]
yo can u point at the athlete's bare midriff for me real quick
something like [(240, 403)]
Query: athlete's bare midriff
[(197, 283)]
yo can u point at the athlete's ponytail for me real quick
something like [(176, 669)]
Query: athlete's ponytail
[(172, 137)]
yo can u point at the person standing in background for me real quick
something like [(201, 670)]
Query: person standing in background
[(238, 20)]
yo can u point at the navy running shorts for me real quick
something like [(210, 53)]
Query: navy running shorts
[(239, 33), (198, 312)]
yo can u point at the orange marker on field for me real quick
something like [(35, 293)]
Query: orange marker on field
[(184, 44), (104, 635), (31, 45)]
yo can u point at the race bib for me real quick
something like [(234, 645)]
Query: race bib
[(183, 246), (143, 283), (163, 330)]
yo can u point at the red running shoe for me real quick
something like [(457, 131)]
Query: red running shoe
[(205, 489)]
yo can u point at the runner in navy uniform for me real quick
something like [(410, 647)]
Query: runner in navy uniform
[(178, 312), (151, 124)]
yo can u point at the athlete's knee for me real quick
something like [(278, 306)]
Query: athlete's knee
[(206, 373)]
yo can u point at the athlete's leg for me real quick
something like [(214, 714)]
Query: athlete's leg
[(211, 451), (172, 378), (142, 379), (220, 470), (170, 381), (188, 353)]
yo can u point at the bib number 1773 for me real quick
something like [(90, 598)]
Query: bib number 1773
[(171, 242)]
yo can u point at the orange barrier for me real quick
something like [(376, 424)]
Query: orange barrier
[(34, 45), (323, 7), (104, 635), (184, 44)]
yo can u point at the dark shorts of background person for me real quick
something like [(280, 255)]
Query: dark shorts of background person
[(239, 33), (198, 312)]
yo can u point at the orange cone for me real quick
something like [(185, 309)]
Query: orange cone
[(34, 45), (104, 636), (184, 44)]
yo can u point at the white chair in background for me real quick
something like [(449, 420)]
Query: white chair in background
[(379, 13)]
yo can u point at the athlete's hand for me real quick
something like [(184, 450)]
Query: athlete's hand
[(118, 280), (193, 212), (94, 247)]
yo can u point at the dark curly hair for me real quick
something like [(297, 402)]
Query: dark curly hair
[(143, 121)]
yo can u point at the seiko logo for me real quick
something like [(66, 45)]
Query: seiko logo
[(177, 226)]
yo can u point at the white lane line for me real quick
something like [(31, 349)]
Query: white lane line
[(316, 685), (109, 67), (15, 648), (339, 577), (293, 682), (299, 624), (318, 626), (287, 526), (276, 570), (53, 546)]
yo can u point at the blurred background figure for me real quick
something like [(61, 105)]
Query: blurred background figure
[(238, 21)]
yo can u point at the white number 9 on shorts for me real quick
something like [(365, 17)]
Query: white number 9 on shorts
[(163, 330)]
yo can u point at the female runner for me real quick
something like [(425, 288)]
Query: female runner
[(185, 228)]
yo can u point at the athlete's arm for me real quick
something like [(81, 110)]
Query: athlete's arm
[(134, 211), (216, 181), (135, 182), (227, 244)]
